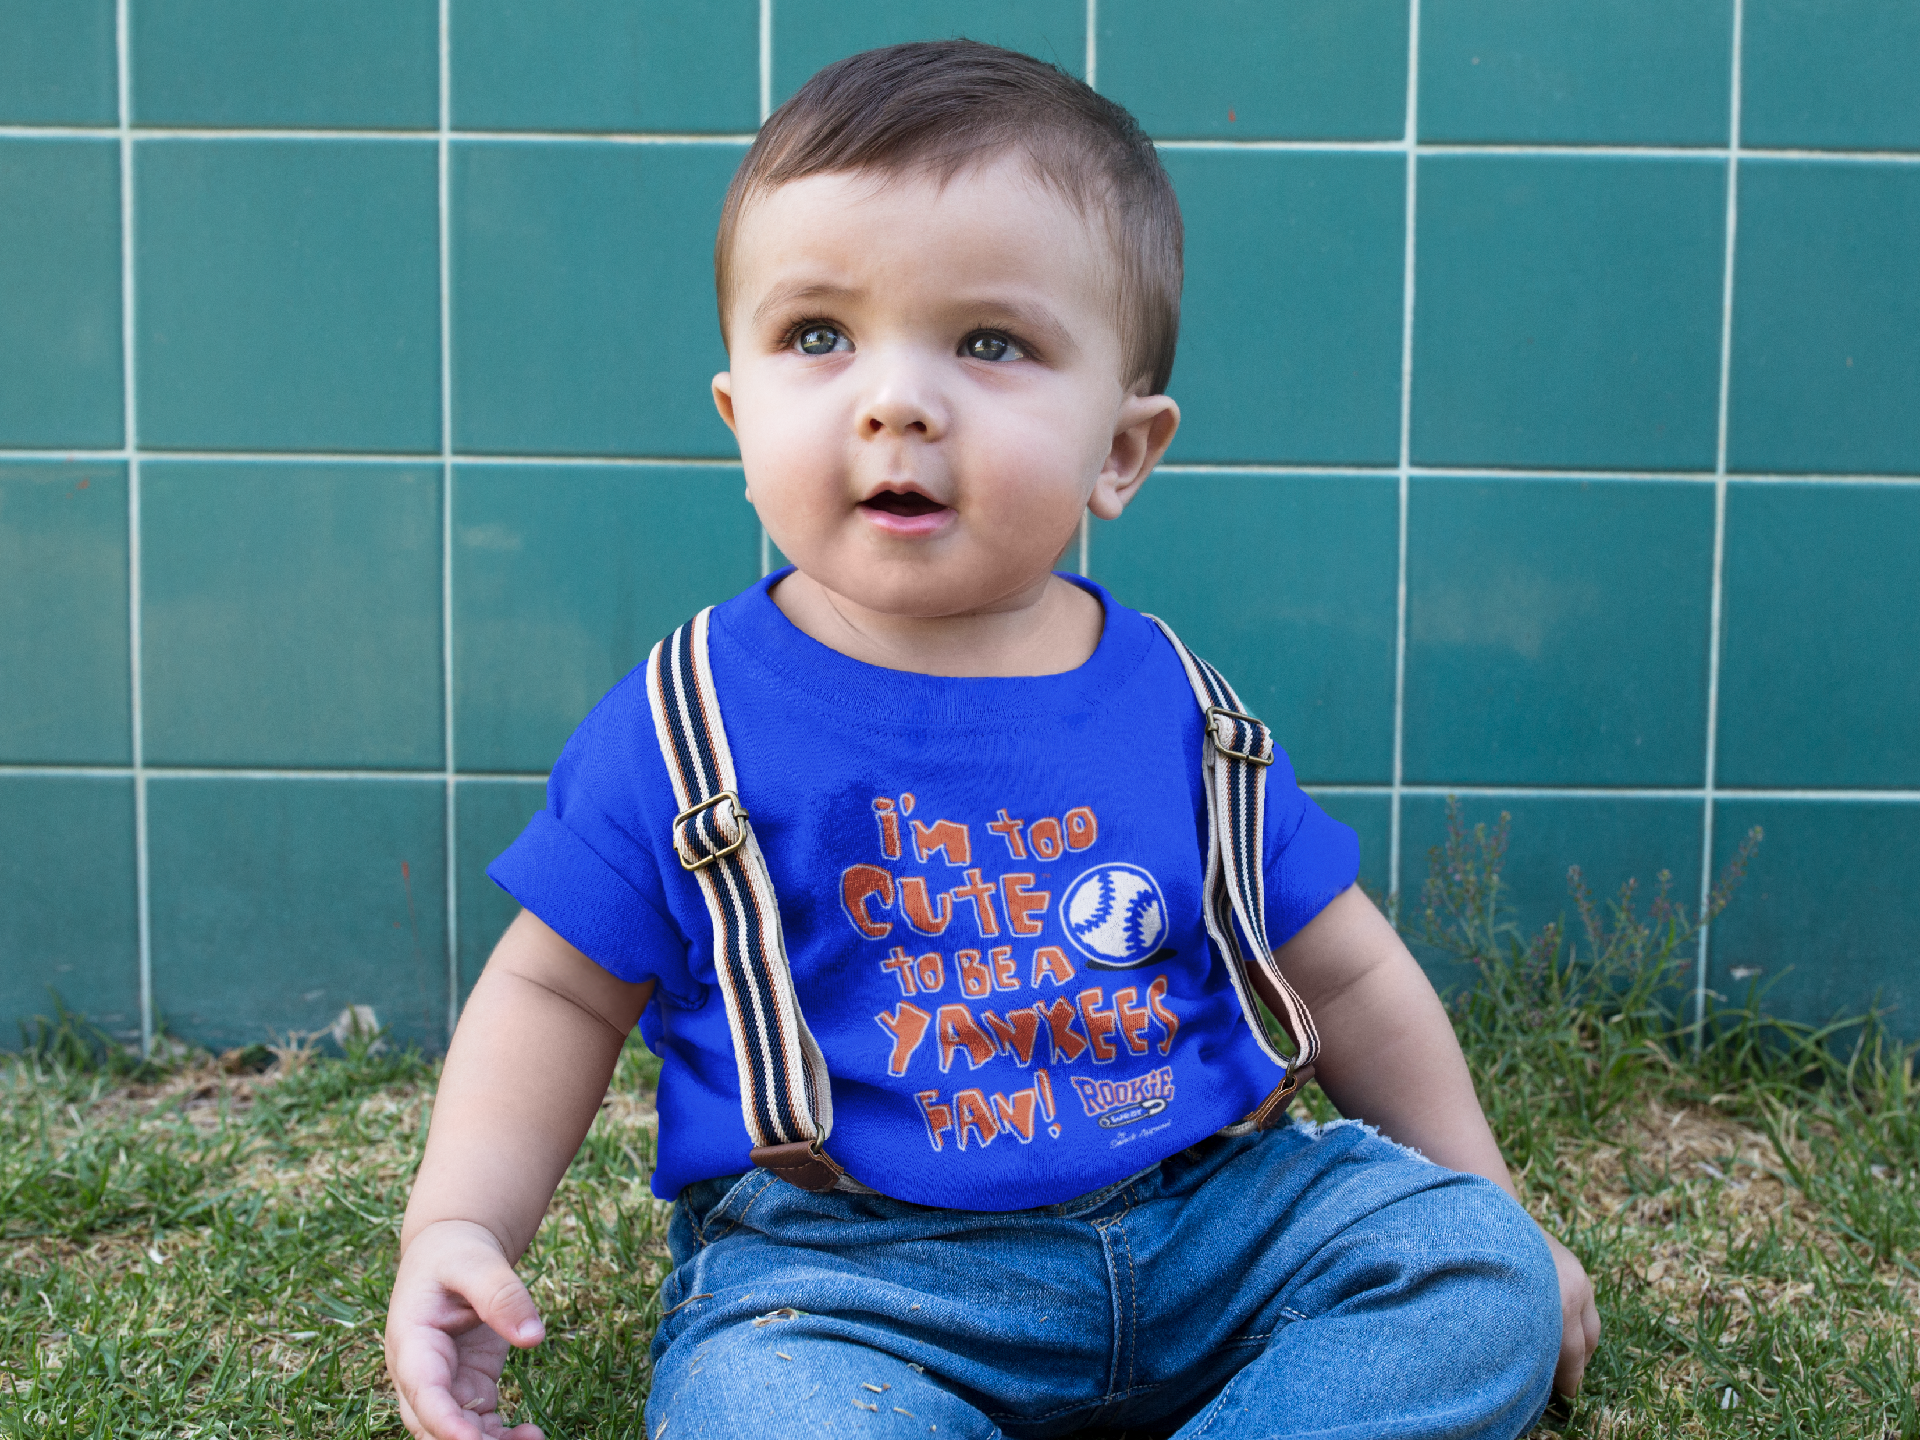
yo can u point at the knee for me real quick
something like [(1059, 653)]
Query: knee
[(1465, 1250), (1509, 1285)]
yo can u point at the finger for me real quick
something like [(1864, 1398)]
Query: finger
[(499, 1299), (423, 1364), (437, 1417), (1571, 1369)]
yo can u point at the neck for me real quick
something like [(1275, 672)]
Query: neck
[(1049, 628)]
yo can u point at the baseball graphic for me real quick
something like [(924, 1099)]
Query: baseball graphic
[(1115, 915)]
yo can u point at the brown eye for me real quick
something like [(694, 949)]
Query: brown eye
[(989, 346), (821, 340)]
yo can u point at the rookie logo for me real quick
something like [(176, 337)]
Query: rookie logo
[(1114, 1103), (1115, 916)]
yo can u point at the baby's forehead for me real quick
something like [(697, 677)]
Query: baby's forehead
[(998, 193)]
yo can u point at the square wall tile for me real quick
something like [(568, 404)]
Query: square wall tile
[(1258, 69), (1826, 319), (1830, 74), (67, 904), (278, 903), (288, 295), (490, 816), (1290, 324), (1557, 632), (1568, 311), (1287, 584), (63, 615), (583, 313), (60, 368), (1820, 616), (1588, 72), (58, 65), (808, 34), (1611, 840), (563, 579), (346, 64), (291, 614), (1827, 921), (606, 65), (1371, 817)]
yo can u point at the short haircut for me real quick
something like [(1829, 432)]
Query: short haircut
[(941, 107)]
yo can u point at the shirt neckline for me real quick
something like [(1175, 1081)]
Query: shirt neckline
[(760, 633)]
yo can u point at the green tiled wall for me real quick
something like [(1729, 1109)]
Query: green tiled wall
[(1551, 377)]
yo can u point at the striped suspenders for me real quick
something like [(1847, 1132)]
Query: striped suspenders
[(1235, 754), (786, 1098)]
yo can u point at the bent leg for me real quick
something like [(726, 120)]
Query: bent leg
[(1436, 1314), (790, 1377)]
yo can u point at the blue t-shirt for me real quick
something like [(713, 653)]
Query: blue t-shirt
[(991, 894)]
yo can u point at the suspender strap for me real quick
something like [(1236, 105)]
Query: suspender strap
[(785, 1097), (1236, 751)]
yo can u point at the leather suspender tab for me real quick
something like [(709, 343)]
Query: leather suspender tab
[(801, 1163)]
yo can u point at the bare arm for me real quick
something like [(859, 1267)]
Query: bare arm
[(1389, 1057), (524, 1076)]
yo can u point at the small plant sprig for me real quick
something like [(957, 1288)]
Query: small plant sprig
[(1566, 1026)]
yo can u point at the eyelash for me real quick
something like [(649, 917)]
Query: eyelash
[(790, 337)]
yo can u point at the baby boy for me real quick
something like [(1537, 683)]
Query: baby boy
[(948, 888)]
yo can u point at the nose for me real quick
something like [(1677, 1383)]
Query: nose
[(901, 399)]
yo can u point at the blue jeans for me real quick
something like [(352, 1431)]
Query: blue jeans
[(1297, 1282)]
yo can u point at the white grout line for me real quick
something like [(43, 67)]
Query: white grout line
[(546, 137), (716, 462), (1185, 467), (766, 109), (766, 61), (1600, 792), (136, 686), (1385, 790), (681, 137), (158, 135), (436, 776), (1092, 81), (1719, 527), (1410, 143), (452, 833)]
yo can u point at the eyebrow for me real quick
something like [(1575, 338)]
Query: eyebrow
[(782, 296), (1034, 320)]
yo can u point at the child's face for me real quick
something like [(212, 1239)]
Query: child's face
[(926, 385)]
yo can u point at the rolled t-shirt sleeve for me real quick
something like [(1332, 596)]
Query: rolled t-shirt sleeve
[(579, 865), (1310, 856)]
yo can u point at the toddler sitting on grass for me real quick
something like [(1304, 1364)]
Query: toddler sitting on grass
[(948, 889)]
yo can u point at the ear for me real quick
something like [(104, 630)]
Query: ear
[(723, 402), (1141, 435)]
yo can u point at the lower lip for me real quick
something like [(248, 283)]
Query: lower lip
[(908, 527)]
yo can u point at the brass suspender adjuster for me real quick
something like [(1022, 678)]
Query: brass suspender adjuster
[(683, 831), (1259, 749)]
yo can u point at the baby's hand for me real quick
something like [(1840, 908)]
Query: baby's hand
[(453, 1301), (1579, 1319)]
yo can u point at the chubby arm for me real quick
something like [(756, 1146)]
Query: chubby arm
[(1389, 1057), (524, 1077)]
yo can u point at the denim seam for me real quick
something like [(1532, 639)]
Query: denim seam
[(1104, 1228), (1293, 1314), (741, 1218)]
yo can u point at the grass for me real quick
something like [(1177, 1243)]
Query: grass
[(201, 1246)]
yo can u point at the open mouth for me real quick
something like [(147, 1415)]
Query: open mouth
[(902, 502)]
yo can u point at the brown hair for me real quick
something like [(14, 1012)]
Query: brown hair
[(941, 106)]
